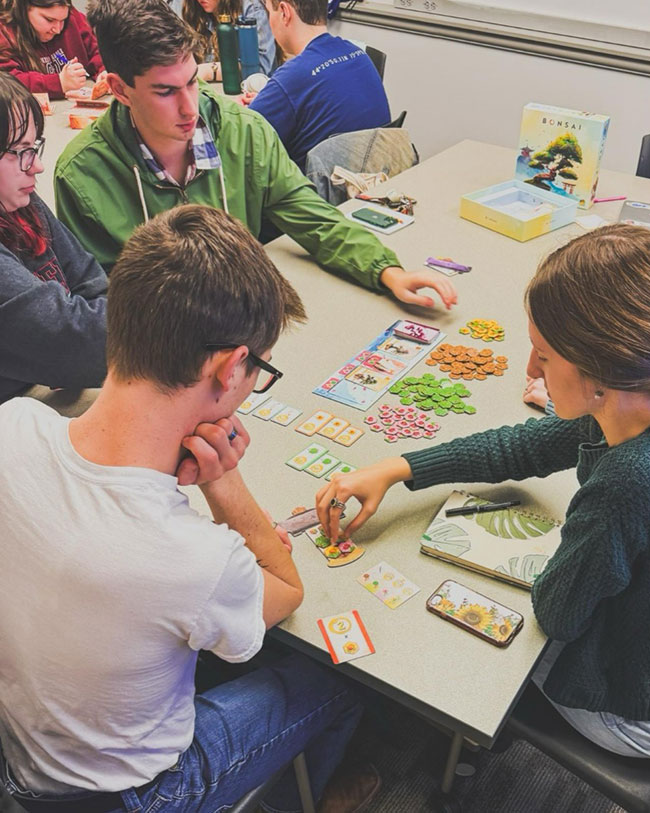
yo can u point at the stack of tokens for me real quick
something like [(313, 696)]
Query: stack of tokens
[(402, 422), (486, 329), (428, 393), (467, 362)]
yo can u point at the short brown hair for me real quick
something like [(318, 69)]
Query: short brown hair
[(192, 276), (311, 12), (590, 300), (136, 35)]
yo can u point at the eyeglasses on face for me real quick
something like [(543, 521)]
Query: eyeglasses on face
[(27, 155), (274, 373)]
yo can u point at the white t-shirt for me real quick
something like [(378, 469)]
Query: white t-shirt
[(110, 583)]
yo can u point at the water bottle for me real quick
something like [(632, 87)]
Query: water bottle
[(249, 53), (228, 56)]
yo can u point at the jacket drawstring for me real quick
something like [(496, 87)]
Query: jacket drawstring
[(143, 203), (223, 190)]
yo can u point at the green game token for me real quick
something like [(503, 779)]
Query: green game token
[(410, 380), (441, 412), (406, 400), (469, 409)]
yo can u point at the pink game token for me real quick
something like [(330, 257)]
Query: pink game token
[(400, 410), (429, 434), (385, 408), (370, 419), (420, 422), (376, 427), (431, 427), (388, 421), (392, 430), (417, 433), (390, 438), (407, 431), (403, 422)]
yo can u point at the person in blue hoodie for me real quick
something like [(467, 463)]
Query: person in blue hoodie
[(52, 292), (329, 86)]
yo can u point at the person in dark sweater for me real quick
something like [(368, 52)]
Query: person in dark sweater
[(48, 46), (589, 311), (52, 292)]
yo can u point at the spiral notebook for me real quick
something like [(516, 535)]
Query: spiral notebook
[(512, 545)]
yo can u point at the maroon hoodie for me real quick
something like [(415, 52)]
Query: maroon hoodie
[(76, 39)]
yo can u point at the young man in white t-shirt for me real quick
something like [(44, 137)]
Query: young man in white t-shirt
[(112, 583)]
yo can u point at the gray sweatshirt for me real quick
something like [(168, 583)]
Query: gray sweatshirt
[(52, 314)]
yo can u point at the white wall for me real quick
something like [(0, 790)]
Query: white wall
[(453, 91)]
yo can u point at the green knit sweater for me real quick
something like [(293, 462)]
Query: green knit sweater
[(595, 592)]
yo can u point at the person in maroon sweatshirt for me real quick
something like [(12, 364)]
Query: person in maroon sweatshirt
[(48, 45)]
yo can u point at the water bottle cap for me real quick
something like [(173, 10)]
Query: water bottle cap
[(246, 21), (224, 18)]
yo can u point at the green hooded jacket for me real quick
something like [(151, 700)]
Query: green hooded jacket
[(97, 194)]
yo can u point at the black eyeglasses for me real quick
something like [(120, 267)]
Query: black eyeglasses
[(275, 374), (27, 156)]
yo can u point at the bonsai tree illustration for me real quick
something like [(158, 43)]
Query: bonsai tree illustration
[(557, 159)]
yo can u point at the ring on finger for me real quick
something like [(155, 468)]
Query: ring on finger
[(334, 503), (233, 435)]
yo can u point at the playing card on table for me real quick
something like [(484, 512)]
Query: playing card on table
[(342, 468), (388, 584), (253, 401), (333, 428), (286, 415), (345, 636), (416, 331), (349, 436), (314, 423), (268, 409), (306, 457), (324, 464)]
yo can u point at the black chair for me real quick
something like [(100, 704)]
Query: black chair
[(398, 122), (378, 59), (643, 169), (624, 780), (250, 802)]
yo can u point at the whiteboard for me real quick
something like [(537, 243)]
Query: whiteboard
[(609, 33)]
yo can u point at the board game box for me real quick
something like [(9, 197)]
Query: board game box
[(560, 151)]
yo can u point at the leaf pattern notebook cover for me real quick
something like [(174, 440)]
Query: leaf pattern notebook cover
[(512, 545)]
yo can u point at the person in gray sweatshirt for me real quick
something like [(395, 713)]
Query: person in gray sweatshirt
[(52, 292)]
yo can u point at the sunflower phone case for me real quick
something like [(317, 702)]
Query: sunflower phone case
[(475, 613)]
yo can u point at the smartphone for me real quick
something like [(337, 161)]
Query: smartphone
[(635, 213), (475, 613), (378, 219)]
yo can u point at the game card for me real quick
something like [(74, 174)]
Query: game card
[(298, 523), (388, 585), (314, 423), (370, 379), (306, 457), (268, 409), (345, 636), (349, 436), (333, 428), (342, 468), (255, 400), (401, 348), (342, 553), (424, 334), (324, 464), (285, 416), (385, 364)]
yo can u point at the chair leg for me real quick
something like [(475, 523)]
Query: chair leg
[(304, 785)]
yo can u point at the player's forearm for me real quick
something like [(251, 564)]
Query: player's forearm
[(232, 503)]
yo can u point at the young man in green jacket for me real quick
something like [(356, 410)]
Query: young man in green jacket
[(166, 141)]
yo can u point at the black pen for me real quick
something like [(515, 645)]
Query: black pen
[(480, 509)]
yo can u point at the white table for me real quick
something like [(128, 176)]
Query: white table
[(451, 678)]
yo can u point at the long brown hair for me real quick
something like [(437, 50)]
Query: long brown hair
[(20, 231), (205, 23), (590, 300), (14, 14)]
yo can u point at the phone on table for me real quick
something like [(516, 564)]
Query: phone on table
[(475, 613), (378, 219)]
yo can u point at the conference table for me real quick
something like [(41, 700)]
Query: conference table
[(454, 680)]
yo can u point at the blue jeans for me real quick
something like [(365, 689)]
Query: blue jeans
[(245, 731)]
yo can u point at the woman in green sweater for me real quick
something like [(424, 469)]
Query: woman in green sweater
[(589, 311)]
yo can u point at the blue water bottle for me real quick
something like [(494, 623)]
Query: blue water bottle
[(249, 52)]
